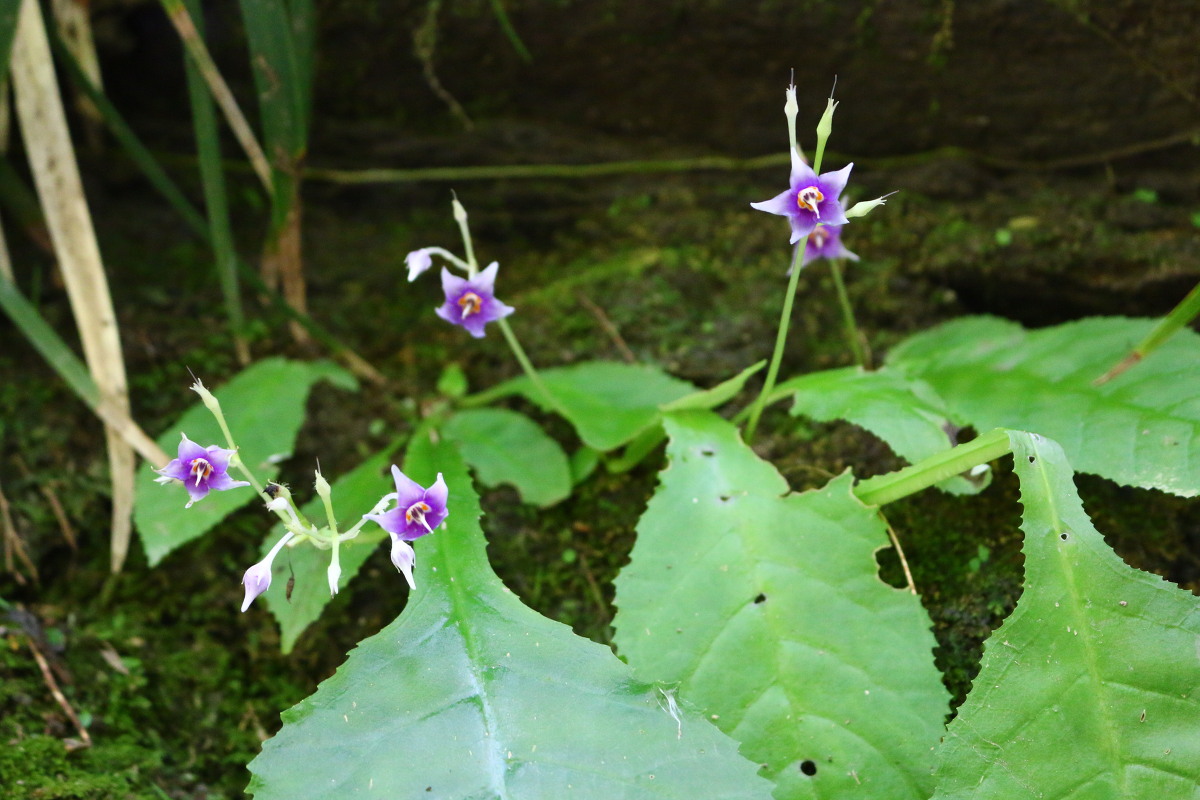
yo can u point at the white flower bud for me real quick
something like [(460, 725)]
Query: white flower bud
[(866, 206)]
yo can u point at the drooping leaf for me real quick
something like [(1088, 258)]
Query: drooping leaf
[(767, 609), (1138, 429), (216, 193), (469, 694), (73, 372), (608, 402), (1090, 687), (264, 406), (354, 494), (506, 447), (720, 394), (645, 442), (905, 412)]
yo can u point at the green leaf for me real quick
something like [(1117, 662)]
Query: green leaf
[(506, 447), (1088, 689), (905, 413), (718, 395), (608, 402), (1139, 429), (354, 494), (264, 406), (767, 609), (469, 694), (583, 463)]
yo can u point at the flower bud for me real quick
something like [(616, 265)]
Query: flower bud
[(418, 261), (322, 486), (404, 558), (333, 574), (210, 401), (258, 578), (825, 126), (866, 206)]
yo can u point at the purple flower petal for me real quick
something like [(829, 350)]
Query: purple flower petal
[(418, 511), (471, 303), (836, 181), (408, 491), (201, 469), (781, 204)]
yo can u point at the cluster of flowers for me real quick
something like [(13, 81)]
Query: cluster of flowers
[(471, 301), (407, 514), (812, 203)]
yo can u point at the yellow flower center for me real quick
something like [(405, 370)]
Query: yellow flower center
[(470, 303), (417, 512), (808, 198), (201, 469)]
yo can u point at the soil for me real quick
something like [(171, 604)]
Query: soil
[(1044, 171)]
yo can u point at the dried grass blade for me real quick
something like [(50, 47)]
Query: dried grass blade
[(52, 161), (220, 90)]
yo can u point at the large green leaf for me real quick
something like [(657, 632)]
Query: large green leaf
[(354, 494), (767, 609), (609, 403), (506, 447), (469, 694), (1089, 688), (906, 413), (264, 406), (1139, 429)]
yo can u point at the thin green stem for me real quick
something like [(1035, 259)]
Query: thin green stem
[(527, 365), (780, 338), (835, 267), (888, 488)]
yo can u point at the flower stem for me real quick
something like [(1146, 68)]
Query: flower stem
[(527, 365), (780, 339), (888, 488), (835, 267)]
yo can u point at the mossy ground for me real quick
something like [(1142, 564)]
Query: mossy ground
[(177, 689)]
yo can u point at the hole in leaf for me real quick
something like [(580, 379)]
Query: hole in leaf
[(1032, 459), (707, 451), (1064, 536), (761, 598), (808, 767), (724, 498)]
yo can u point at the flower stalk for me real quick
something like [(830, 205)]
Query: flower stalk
[(780, 339), (884, 489), (852, 334)]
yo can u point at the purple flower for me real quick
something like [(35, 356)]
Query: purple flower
[(418, 261), (810, 199), (471, 302), (201, 469), (826, 242), (418, 510), (258, 578)]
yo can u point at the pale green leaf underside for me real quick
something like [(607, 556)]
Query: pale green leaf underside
[(354, 494), (766, 608), (1089, 688), (506, 447), (469, 694), (264, 406), (905, 413), (1139, 429), (608, 403)]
